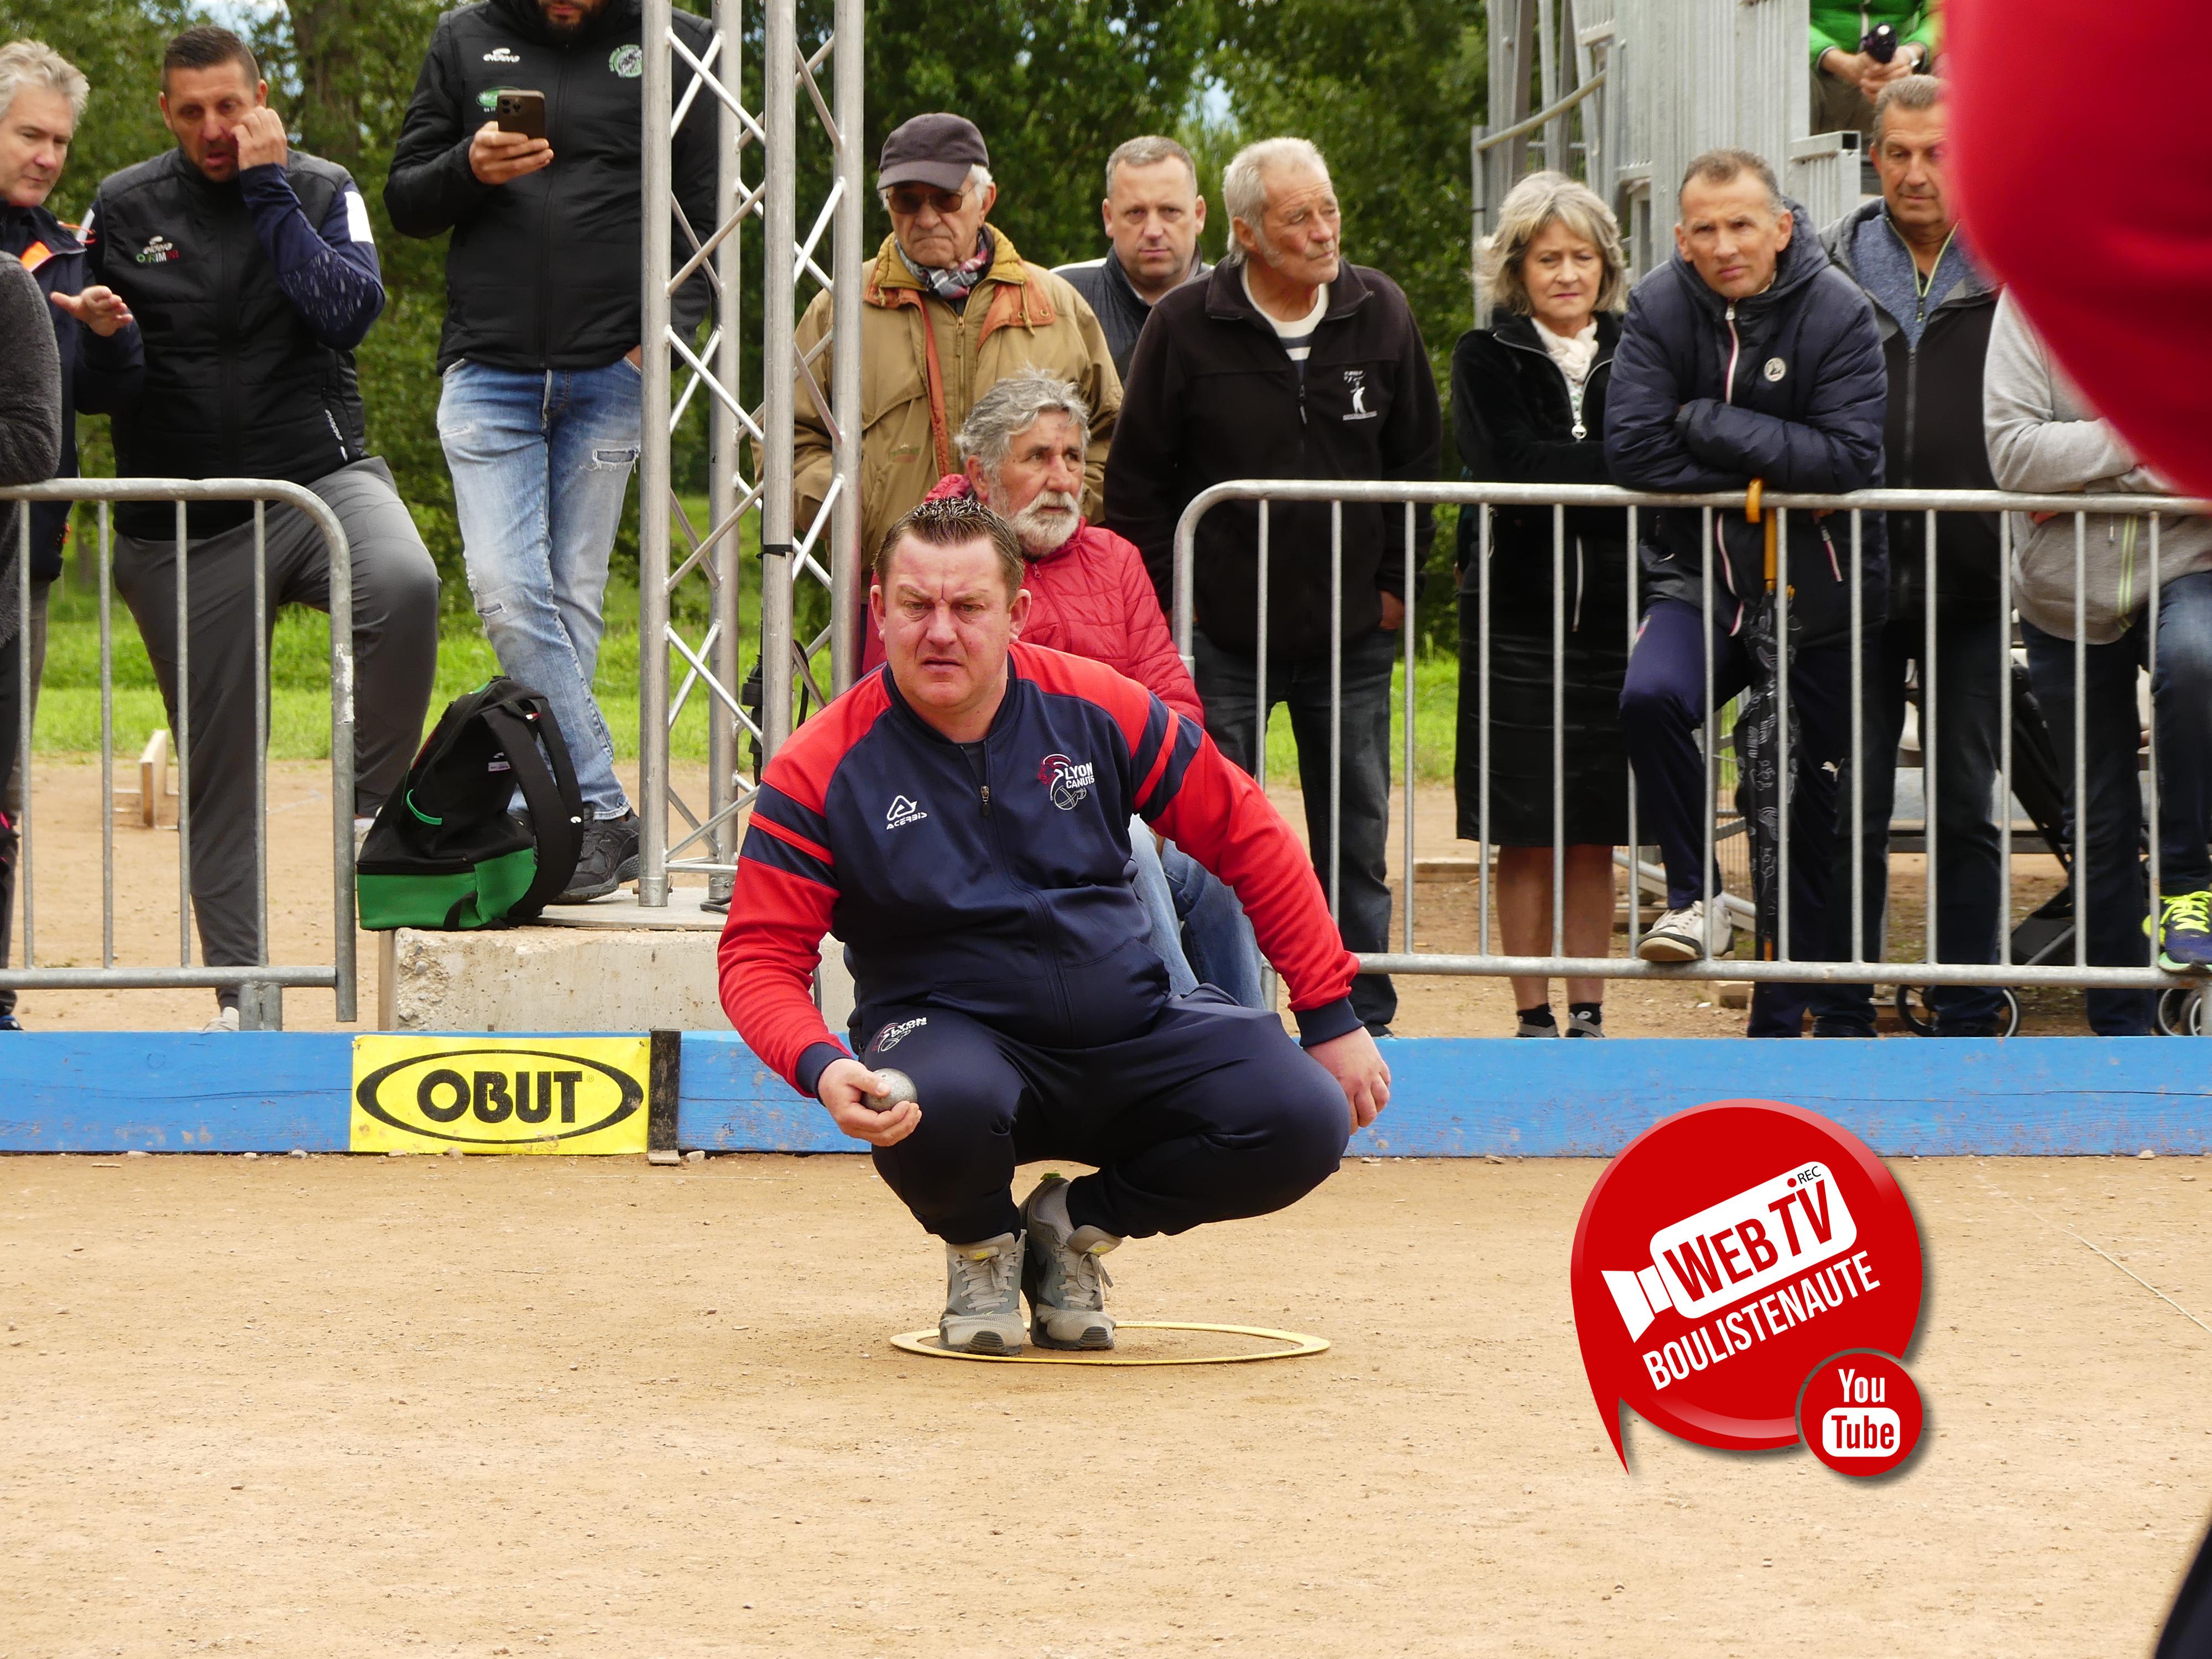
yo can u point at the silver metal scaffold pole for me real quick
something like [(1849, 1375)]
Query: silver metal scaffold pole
[(696, 643)]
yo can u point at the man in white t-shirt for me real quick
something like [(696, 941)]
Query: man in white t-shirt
[(1286, 361)]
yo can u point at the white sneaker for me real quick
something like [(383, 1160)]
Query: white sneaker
[(1679, 935), (225, 1021), (983, 1297)]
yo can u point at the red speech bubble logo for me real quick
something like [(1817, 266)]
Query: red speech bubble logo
[(1726, 1250), (1860, 1412)]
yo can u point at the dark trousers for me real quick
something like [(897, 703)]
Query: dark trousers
[(1662, 712), (2181, 703), (1228, 684), (1210, 1113), (395, 633), (1970, 662), (33, 635)]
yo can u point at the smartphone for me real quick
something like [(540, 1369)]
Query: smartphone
[(517, 111)]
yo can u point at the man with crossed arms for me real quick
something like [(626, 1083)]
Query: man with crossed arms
[(961, 818)]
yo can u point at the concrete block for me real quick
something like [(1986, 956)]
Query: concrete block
[(606, 966)]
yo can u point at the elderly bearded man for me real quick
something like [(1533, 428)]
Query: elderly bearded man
[(961, 818), (1023, 446)]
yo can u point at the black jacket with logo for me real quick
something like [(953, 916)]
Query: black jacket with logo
[(1934, 438), (1212, 395), (545, 271), (249, 368)]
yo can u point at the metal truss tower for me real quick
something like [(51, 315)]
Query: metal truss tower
[(705, 621)]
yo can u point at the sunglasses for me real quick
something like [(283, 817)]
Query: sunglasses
[(908, 200)]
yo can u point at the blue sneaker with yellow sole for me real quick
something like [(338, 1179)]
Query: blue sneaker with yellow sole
[(2185, 932)]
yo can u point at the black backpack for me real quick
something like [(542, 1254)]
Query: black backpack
[(445, 852)]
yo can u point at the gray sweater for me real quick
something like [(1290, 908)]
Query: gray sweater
[(30, 413), (2044, 440)]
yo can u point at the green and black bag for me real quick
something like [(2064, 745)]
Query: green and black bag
[(445, 853)]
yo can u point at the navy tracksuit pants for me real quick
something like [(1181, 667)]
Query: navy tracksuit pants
[(1211, 1113), (1662, 711)]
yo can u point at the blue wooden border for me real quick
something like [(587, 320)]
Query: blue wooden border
[(1454, 1097), (1468, 1097), (167, 1092)]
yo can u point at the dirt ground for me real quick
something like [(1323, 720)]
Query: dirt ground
[(66, 809), (289, 1408)]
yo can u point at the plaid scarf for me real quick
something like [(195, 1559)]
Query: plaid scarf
[(955, 285)]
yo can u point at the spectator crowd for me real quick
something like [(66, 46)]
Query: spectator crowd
[(213, 299)]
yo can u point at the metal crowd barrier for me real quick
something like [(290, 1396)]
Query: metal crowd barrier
[(261, 985), (1783, 967)]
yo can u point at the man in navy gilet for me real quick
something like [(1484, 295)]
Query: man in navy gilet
[(253, 272)]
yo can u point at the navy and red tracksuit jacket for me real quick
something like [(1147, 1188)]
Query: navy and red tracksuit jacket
[(997, 885)]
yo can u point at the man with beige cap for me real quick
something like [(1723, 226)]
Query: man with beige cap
[(949, 309)]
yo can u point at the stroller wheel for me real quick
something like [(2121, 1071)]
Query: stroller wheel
[(1912, 1008), (2181, 1011)]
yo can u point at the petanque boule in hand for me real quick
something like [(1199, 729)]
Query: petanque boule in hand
[(897, 1089)]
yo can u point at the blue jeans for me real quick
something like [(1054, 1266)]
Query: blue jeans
[(1227, 684), (541, 464), (2181, 704), (1199, 930)]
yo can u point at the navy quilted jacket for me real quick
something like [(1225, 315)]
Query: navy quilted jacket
[(1788, 387)]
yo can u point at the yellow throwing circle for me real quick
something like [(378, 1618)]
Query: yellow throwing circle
[(925, 1343)]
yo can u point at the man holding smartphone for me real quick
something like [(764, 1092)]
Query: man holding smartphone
[(541, 411)]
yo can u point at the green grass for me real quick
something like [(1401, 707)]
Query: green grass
[(298, 671), (1436, 722), (299, 666)]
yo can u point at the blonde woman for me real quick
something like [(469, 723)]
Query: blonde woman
[(1529, 407)]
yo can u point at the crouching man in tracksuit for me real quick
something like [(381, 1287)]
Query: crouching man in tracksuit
[(961, 818)]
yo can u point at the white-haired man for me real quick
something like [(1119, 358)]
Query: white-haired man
[(949, 308), (42, 98), (1288, 362), (1154, 216)]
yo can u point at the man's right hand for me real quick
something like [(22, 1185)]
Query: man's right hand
[(1360, 1071), (496, 157), (102, 310), (852, 1093)]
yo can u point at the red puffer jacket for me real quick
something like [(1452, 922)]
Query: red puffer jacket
[(1091, 599)]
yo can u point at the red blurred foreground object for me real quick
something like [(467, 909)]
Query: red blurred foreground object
[(2083, 163)]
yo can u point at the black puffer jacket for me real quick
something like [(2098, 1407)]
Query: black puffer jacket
[(1934, 438), (545, 272), (1515, 424), (239, 384), (1787, 386)]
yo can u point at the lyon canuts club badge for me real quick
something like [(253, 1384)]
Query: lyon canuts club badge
[(1741, 1254), (1070, 781)]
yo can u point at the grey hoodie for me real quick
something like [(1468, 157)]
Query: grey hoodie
[(2044, 440)]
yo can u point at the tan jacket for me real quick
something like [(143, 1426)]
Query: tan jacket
[(922, 367)]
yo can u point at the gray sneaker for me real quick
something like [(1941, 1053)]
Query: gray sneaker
[(1063, 1275), (983, 1297)]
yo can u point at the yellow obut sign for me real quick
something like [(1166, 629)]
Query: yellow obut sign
[(484, 1095)]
